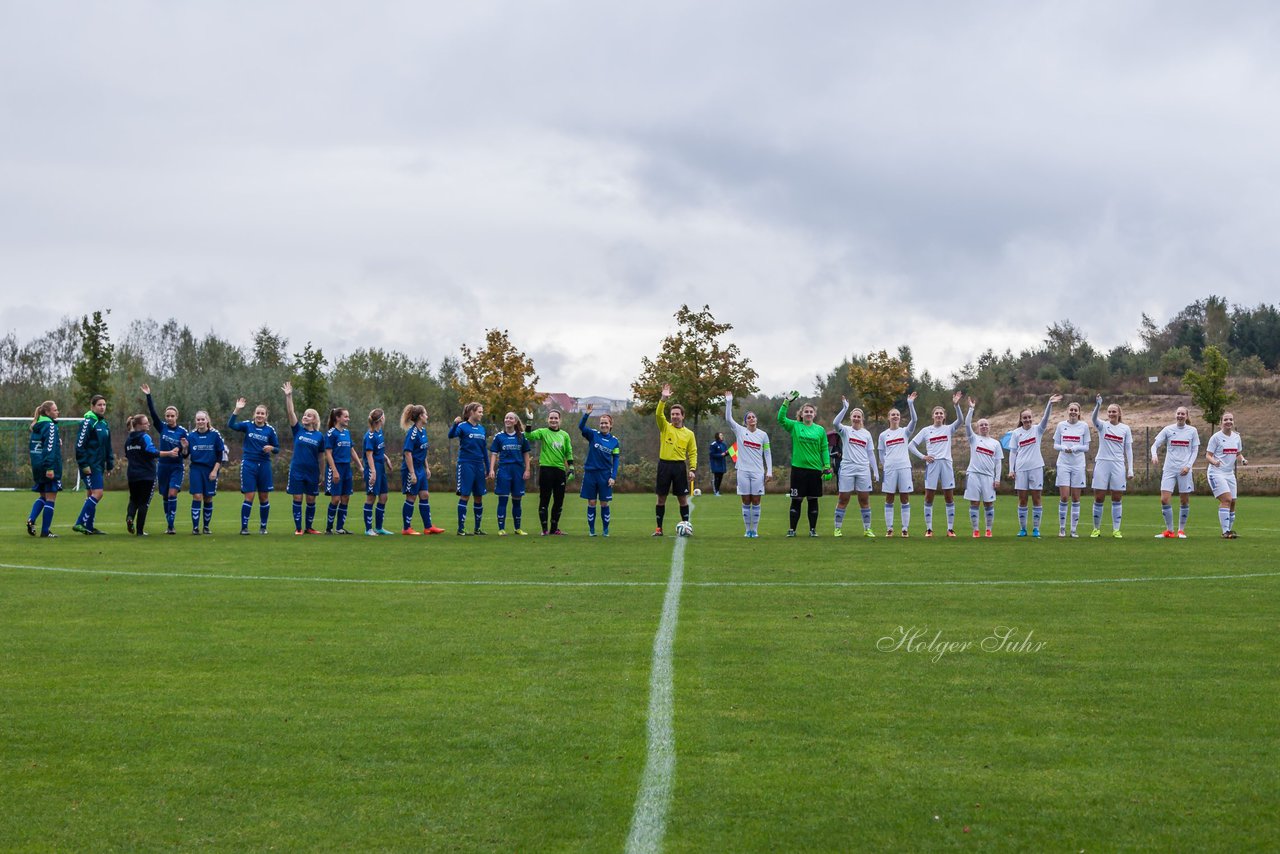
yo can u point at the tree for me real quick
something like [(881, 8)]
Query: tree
[(269, 349), (498, 375), (92, 371), (312, 387), (699, 368), (1209, 387), (879, 380)]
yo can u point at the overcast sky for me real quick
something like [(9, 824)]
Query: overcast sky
[(831, 177)]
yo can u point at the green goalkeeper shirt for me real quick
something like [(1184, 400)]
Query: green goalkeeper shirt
[(809, 449), (555, 450)]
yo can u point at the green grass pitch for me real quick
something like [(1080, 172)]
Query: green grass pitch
[(248, 693)]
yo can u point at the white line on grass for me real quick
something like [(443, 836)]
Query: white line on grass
[(649, 820), (480, 582)]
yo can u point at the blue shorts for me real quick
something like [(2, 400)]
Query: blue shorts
[(169, 477), (471, 479), (419, 480), (93, 480), (339, 482), (44, 486), (255, 476), (202, 482), (380, 486), (595, 486), (509, 481), (304, 482)]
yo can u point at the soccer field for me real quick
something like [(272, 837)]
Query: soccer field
[(448, 693)]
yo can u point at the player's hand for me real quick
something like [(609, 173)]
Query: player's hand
[(1154, 459), (611, 483), (590, 406), (911, 396), (1098, 400), (955, 398), (793, 395), (1216, 462), (1184, 471), (458, 420), (769, 476), (972, 403), (1055, 398), (86, 471), (666, 390), (412, 484), (526, 474), (268, 449), (1130, 475), (287, 388), (489, 476), (844, 401), (240, 402), (48, 475), (146, 389), (928, 458)]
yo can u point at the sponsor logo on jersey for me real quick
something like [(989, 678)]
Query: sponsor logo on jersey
[(1067, 438), (1030, 440), (942, 438), (892, 442), (755, 446), (1114, 437), (861, 443), (985, 450)]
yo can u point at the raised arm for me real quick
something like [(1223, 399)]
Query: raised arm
[(728, 413), (151, 408), (968, 424), (1093, 416), (1048, 408), (955, 401), (911, 407), (844, 407), (287, 388)]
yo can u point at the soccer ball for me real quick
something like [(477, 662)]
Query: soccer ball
[(684, 529), (697, 492)]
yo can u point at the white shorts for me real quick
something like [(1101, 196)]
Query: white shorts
[(1182, 481), (750, 482), (980, 487), (896, 480), (1072, 478), (1109, 477), (940, 474), (855, 481), (1220, 484), (1029, 479)]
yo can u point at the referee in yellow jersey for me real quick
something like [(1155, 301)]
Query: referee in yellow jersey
[(677, 458)]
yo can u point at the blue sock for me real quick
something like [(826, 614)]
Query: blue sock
[(171, 510), (424, 511), (311, 517), (246, 510), (47, 521), (342, 517), (515, 512), (477, 510), (462, 515), (502, 512), (331, 516), (86, 513), (208, 510), (604, 517), (297, 514), (36, 509), (368, 515), (380, 515), (195, 514), (264, 512), (406, 514), (591, 518)]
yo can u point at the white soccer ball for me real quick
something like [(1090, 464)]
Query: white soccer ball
[(684, 529), (697, 492)]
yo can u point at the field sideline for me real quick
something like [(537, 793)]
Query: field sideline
[(494, 694)]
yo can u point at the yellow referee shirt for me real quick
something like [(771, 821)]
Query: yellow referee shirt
[(675, 444)]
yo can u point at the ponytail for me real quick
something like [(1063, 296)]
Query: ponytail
[(410, 414), (43, 410)]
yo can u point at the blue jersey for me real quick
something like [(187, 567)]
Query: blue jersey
[(170, 437), (308, 451), (471, 443), (373, 441), (719, 453), (205, 449), (604, 452), (338, 443), (255, 439), (510, 448), (415, 445)]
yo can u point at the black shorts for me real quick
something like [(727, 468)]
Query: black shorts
[(806, 483), (673, 478)]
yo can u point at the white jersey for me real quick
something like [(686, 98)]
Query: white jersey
[(1183, 447), (855, 447), (1227, 449), (1024, 444), (754, 453), (893, 444), (1071, 441), (1115, 443), (985, 453), (936, 441)]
